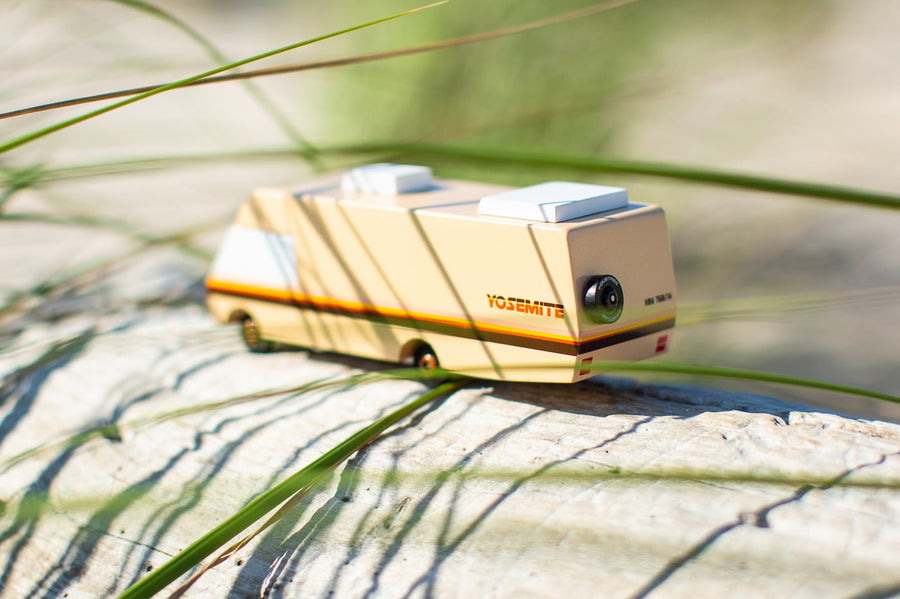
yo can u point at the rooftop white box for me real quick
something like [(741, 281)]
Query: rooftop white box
[(387, 179), (554, 202)]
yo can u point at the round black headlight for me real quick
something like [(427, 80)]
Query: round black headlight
[(603, 299)]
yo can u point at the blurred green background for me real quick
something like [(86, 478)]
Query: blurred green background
[(806, 90)]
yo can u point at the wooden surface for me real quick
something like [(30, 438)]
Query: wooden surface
[(502, 490)]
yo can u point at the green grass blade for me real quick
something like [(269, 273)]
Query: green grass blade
[(263, 504), (771, 307), (19, 141), (635, 167), (427, 152), (335, 62), (71, 279), (81, 437), (739, 374), (576, 472), (564, 474), (166, 17), (37, 174), (15, 180), (179, 239), (59, 349), (280, 119)]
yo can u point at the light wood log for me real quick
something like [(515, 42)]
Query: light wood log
[(608, 488)]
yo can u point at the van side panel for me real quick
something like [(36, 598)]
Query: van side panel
[(405, 275), (495, 297)]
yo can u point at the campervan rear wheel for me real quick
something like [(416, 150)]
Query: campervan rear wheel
[(425, 358), (250, 333)]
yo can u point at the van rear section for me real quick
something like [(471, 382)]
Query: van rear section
[(384, 275), (623, 275)]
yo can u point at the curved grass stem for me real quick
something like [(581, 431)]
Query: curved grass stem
[(29, 137), (305, 478)]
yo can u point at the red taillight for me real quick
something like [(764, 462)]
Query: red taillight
[(661, 343)]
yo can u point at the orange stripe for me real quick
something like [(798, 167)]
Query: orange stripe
[(359, 307)]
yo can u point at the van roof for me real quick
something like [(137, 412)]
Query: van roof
[(454, 198)]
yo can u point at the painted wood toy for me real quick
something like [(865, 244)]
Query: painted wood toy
[(384, 262)]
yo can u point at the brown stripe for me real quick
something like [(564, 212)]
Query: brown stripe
[(649, 329), (470, 331)]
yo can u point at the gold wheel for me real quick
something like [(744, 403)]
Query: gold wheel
[(425, 358), (251, 335)]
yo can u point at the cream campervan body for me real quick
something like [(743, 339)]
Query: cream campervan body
[(529, 284)]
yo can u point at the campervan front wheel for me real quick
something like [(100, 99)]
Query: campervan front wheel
[(425, 358), (250, 333)]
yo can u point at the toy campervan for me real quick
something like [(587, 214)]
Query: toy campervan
[(384, 262)]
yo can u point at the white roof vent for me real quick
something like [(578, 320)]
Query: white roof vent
[(554, 202), (387, 179)]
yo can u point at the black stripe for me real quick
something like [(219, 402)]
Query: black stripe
[(649, 329), (411, 322)]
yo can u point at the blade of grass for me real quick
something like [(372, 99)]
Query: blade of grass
[(59, 349), (427, 153), (24, 139), (575, 471), (603, 367), (40, 174), (103, 430), (566, 473), (71, 279), (633, 167), (335, 62), (90, 220), (280, 119), (16, 180), (742, 375), (266, 502), (770, 307)]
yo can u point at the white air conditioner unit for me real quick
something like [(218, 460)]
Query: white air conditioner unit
[(387, 179)]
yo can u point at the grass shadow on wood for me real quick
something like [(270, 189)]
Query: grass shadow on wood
[(279, 553), (23, 385), (447, 546), (193, 493)]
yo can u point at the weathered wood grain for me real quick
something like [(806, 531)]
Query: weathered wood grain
[(501, 490)]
